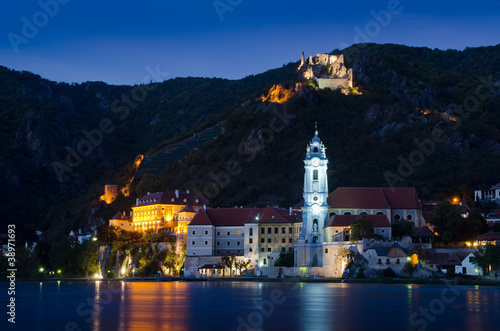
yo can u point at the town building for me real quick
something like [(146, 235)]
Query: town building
[(167, 212), (257, 235), (492, 194), (122, 221)]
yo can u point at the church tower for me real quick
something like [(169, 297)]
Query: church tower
[(315, 209)]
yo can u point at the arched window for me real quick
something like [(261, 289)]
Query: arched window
[(315, 175), (409, 217), (380, 213), (363, 213), (347, 213), (315, 150), (397, 217)]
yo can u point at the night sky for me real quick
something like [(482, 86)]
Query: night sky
[(115, 41)]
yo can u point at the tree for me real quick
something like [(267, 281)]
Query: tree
[(228, 262), (242, 264), (487, 257), (107, 233), (361, 228), (445, 219), (285, 260), (402, 228)]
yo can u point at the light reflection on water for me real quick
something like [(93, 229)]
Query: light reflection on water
[(250, 306)]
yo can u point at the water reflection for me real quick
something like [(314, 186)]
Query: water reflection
[(155, 306), (182, 306)]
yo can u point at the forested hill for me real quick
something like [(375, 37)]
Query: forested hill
[(408, 95)]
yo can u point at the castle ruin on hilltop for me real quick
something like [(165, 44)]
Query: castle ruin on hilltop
[(328, 71)]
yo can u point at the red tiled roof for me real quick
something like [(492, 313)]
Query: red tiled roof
[(240, 216), (277, 215), (188, 209), (119, 216), (374, 198), (358, 197), (423, 232), (402, 197), (170, 198), (376, 221), (201, 218), (340, 220), (490, 236), (299, 204), (438, 258)]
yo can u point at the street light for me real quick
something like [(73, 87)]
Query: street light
[(41, 269)]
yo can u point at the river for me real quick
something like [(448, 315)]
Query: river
[(252, 306)]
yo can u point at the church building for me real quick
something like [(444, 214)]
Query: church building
[(327, 218)]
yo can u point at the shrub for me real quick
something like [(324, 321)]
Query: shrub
[(389, 273)]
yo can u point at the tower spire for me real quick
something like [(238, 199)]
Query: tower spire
[(316, 128)]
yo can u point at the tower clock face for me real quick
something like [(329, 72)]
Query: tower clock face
[(315, 162)]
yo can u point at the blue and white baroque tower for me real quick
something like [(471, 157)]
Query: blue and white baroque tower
[(315, 209)]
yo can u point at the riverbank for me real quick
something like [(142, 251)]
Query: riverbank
[(411, 281)]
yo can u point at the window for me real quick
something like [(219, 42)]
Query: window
[(380, 213), (283, 240), (237, 243), (228, 233), (347, 213), (250, 232), (464, 270), (326, 250), (194, 232), (397, 261), (206, 243), (283, 230), (315, 175), (262, 230), (262, 240), (269, 240), (228, 243), (276, 230), (397, 217), (363, 213), (379, 261), (283, 249), (206, 232), (290, 249), (269, 230), (250, 241), (193, 243), (290, 240), (218, 233), (269, 249), (262, 249), (218, 243), (250, 249), (336, 231), (383, 230), (290, 230), (409, 217), (265, 261)]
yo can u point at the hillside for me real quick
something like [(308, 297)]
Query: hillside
[(407, 94)]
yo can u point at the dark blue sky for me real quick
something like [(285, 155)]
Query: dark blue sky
[(115, 41)]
